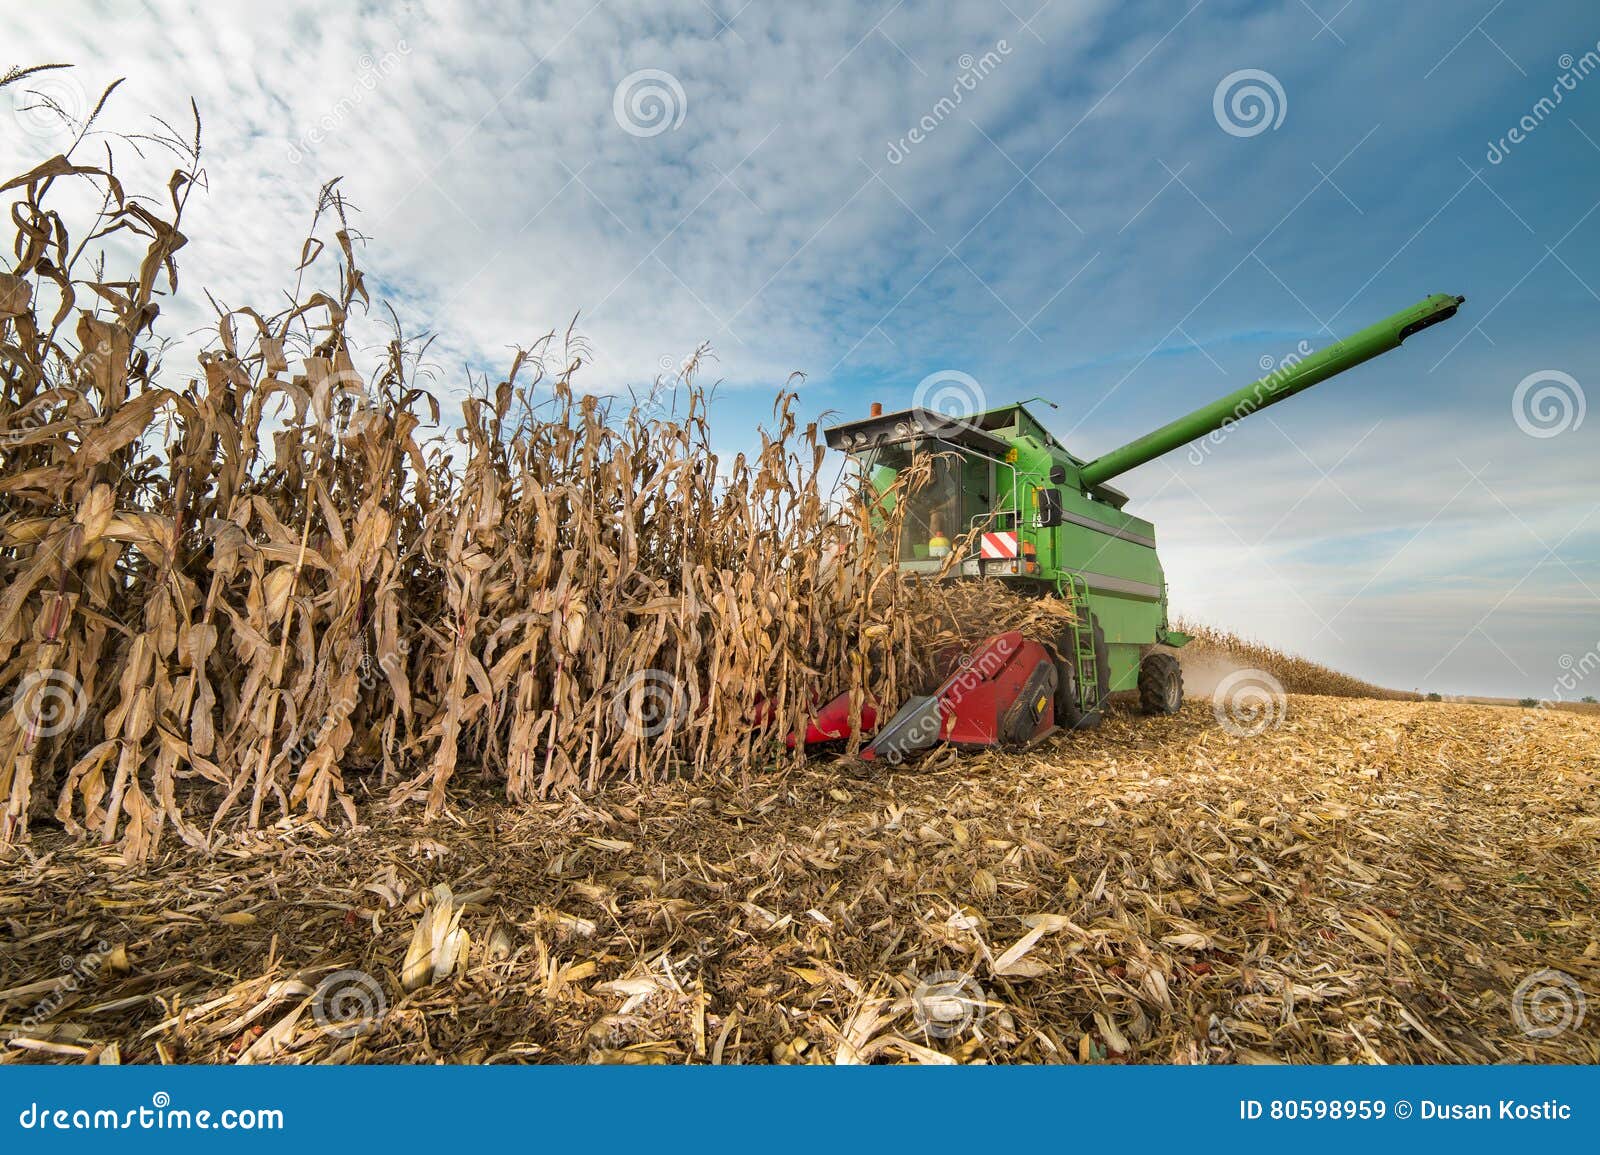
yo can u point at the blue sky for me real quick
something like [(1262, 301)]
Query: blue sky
[(1082, 225)]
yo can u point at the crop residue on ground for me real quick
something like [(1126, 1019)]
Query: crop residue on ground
[(1366, 882)]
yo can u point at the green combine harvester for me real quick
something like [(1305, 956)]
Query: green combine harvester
[(1035, 516)]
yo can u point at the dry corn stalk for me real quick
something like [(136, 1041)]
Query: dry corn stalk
[(221, 596)]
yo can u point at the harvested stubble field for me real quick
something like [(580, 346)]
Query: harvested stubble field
[(329, 738), (1369, 881)]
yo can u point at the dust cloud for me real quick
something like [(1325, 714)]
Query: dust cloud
[(1204, 668)]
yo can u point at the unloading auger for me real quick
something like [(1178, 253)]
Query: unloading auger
[(1037, 517)]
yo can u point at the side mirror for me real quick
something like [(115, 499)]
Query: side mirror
[(1058, 474), (1050, 511)]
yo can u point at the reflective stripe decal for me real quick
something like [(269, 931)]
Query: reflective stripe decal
[(998, 546)]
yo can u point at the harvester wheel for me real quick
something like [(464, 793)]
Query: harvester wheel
[(1069, 715), (1160, 684)]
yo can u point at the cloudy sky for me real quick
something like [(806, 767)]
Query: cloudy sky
[(1124, 208)]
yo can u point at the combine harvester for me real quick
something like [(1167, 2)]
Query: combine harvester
[(1050, 525)]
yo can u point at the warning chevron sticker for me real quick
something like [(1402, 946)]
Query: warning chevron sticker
[(998, 546)]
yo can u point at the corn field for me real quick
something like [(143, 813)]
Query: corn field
[(1294, 674), (228, 593)]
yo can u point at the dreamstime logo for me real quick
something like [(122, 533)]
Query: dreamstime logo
[(1249, 702), (155, 1117), (925, 731), (48, 104), (1248, 102), (39, 413), (1547, 1003), (652, 702), (372, 71), (346, 402), (951, 394), (671, 372), (1548, 403), (26, 426), (79, 974), (1572, 71), (1575, 670), (48, 702), (948, 1004), (973, 70), (649, 102), (1278, 372), (391, 666), (349, 1003)]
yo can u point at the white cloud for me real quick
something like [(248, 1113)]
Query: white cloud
[(502, 198)]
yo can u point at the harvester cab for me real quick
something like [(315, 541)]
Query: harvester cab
[(1009, 501)]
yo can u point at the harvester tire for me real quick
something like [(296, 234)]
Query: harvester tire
[(1160, 684), (1069, 715)]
